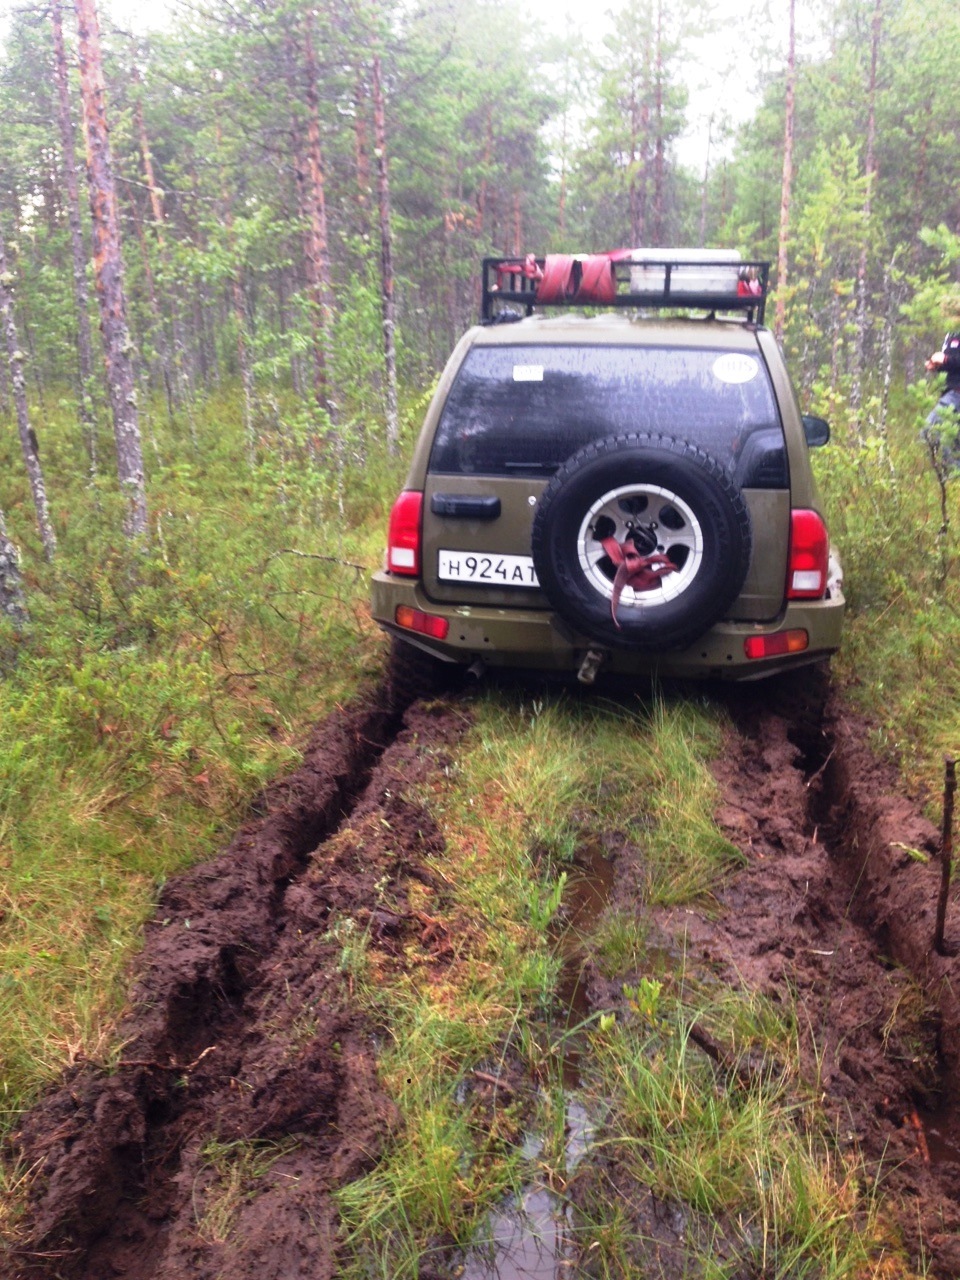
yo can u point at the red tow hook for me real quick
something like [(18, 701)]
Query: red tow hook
[(641, 573)]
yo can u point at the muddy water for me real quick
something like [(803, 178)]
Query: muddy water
[(531, 1236)]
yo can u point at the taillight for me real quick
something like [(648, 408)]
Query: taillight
[(403, 539), (809, 553), (428, 624), (775, 644)]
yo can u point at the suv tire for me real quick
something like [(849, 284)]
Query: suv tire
[(671, 498), (412, 674)]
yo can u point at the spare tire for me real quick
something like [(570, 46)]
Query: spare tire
[(669, 498)]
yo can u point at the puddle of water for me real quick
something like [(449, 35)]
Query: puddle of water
[(530, 1236), (586, 897)]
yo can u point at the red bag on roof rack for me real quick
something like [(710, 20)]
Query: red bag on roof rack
[(585, 280), (702, 279)]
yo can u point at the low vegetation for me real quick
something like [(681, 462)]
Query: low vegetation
[(153, 695), (901, 656), (746, 1162), (150, 697)]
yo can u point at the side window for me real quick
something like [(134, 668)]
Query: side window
[(521, 410)]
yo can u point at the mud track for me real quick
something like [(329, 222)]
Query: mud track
[(835, 911), (242, 1034)]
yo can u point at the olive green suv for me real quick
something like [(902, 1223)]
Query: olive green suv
[(628, 491)]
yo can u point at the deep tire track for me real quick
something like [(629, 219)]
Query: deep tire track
[(834, 913), (242, 1031)]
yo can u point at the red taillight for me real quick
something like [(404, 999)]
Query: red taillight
[(771, 646), (428, 624), (403, 539), (809, 553)]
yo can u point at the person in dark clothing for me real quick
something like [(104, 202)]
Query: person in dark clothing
[(942, 432)]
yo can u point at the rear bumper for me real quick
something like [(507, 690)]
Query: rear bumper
[(535, 639)]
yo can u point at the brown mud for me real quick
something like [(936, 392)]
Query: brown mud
[(834, 915), (242, 1040)]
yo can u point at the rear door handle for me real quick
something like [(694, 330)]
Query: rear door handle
[(466, 506)]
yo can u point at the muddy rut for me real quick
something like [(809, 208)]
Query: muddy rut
[(242, 1035)]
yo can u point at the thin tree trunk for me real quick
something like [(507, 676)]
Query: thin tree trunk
[(386, 259), (28, 440), (13, 605), (704, 190), (786, 185), (317, 246), (108, 269), (487, 161), (243, 346), (659, 165), (869, 170), (81, 296), (156, 316), (635, 208), (361, 143), (180, 379), (517, 224)]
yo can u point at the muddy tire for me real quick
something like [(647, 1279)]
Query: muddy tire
[(673, 500), (412, 674)]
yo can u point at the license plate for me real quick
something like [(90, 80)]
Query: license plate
[(484, 570)]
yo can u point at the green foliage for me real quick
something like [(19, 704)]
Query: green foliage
[(153, 694), (741, 1157), (902, 580)]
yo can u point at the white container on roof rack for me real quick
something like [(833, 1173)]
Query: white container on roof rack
[(699, 271)]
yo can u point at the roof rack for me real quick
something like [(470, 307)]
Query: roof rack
[(701, 279)]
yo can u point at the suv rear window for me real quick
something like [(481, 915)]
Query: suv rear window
[(523, 410)]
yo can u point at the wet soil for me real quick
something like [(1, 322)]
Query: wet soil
[(242, 1037), (242, 1041), (834, 915)]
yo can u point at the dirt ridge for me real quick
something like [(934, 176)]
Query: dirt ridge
[(241, 1032)]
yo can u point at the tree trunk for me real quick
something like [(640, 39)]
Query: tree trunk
[(312, 179), (659, 165), (361, 146), (28, 440), (156, 316), (13, 605), (108, 269), (786, 185), (182, 390), (386, 259), (869, 170), (81, 297)]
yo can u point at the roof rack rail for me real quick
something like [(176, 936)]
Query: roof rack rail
[(701, 279)]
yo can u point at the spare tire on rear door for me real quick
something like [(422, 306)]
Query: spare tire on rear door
[(666, 511)]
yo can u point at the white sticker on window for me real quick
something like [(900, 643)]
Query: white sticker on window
[(528, 373), (735, 367)]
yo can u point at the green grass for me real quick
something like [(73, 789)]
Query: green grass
[(900, 659), (534, 782), (154, 693), (744, 1152)]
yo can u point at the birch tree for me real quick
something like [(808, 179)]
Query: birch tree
[(108, 270), (78, 255), (13, 605), (28, 439), (786, 182), (386, 258)]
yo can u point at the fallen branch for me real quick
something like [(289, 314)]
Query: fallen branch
[(487, 1078), (312, 555), (166, 1066)]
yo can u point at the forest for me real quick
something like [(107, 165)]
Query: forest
[(235, 252)]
